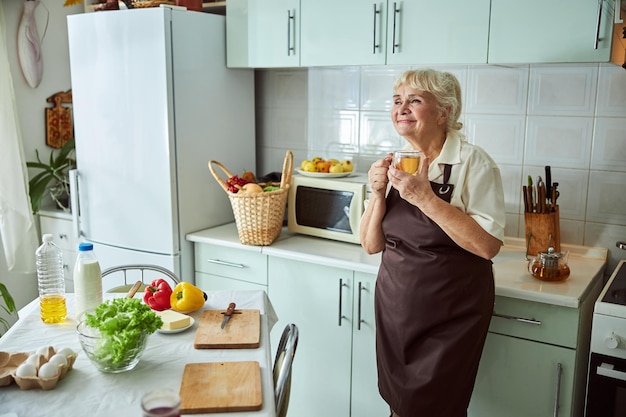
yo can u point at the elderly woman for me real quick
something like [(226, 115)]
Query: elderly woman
[(438, 230)]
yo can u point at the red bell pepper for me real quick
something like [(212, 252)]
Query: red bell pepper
[(157, 295)]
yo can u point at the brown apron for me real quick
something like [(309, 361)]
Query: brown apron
[(433, 301)]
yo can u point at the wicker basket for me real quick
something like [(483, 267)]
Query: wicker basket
[(258, 216)]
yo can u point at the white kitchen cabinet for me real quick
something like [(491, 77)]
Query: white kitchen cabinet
[(263, 33), (536, 31), (394, 32), (334, 371), (59, 224), (430, 32), (222, 268), (347, 32)]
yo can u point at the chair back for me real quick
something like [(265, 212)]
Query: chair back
[(282, 368), (130, 274)]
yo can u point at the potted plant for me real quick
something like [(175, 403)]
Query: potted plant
[(53, 179), (9, 306)]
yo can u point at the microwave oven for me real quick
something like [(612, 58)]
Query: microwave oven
[(330, 208)]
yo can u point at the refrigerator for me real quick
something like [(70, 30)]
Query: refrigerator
[(153, 102)]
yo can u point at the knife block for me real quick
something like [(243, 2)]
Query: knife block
[(542, 230)]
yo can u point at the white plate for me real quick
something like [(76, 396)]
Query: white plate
[(182, 329), (324, 174)]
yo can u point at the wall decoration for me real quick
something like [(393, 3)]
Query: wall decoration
[(29, 45), (59, 126)]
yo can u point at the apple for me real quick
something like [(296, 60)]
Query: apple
[(310, 167), (348, 166), (322, 166), (336, 168)]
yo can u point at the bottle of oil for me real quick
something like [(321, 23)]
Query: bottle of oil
[(51, 282)]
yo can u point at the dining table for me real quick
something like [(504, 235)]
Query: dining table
[(86, 391)]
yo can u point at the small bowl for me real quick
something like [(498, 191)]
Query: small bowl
[(90, 339)]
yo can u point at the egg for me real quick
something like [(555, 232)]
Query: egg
[(26, 370), (35, 359), (48, 370), (45, 351), (67, 352), (58, 359)]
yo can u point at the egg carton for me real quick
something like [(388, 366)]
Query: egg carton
[(9, 362)]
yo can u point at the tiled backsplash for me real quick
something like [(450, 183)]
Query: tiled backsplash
[(569, 116)]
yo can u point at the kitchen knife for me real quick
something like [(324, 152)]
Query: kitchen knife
[(531, 203), (228, 313), (549, 183)]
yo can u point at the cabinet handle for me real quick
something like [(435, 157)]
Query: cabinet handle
[(291, 18), (520, 319), (597, 39), (225, 263), (62, 236), (359, 320), (557, 397), (396, 14), (341, 285), (374, 44)]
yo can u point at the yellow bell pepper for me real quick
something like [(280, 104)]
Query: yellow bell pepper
[(186, 298)]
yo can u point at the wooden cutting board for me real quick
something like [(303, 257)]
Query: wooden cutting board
[(218, 387), (243, 330)]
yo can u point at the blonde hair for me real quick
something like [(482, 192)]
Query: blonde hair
[(444, 86)]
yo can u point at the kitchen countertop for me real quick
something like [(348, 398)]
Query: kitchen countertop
[(512, 279)]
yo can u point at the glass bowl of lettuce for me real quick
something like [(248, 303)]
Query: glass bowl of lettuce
[(114, 335)]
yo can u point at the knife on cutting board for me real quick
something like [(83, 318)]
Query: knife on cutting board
[(228, 313)]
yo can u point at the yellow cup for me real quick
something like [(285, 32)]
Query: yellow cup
[(407, 161)]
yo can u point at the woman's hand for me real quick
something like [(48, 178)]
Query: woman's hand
[(377, 175), (416, 188)]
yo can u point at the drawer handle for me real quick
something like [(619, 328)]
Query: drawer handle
[(62, 236), (520, 319), (225, 263)]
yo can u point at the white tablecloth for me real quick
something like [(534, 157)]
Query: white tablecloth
[(85, 391)]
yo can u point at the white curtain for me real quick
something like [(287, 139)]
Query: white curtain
[(17, 227)]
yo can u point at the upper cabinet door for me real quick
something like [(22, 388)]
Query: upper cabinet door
[(535, 31), (263, 34), (346, 32), (438, 32), (274, 33)]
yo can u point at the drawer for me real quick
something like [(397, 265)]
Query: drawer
[(530, 320), (210, 282), (61, 230), (238, 264)]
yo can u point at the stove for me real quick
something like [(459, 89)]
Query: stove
[(606, 383)]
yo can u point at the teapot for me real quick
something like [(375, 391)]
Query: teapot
[(549, 266)]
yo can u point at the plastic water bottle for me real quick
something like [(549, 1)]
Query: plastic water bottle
[(87, 279), (51, 281)]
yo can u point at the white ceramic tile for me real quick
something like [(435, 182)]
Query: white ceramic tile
[(334, 88), (572, 231), (377, 134), (572, 188), (330, 128), (607, 197), (281, 128), (497, 90), (512, 227), (565, 90), (609, 144), (611, 91), (284, 89), (604, 236), (377, 86), (511, 178), (559, 141), (501, 136)]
